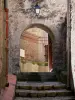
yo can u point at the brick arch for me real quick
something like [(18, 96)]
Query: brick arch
[(51, 38)]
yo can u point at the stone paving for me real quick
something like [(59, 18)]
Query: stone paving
[(9, 92)]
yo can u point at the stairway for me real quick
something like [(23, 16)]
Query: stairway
[(42, 90)]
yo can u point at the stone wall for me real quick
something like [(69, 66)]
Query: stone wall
[(62, 47), (21, 15), (73, 39)]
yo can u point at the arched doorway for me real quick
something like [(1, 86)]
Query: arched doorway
[(35, 53)]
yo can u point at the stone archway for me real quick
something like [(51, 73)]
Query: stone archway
[(43, 27), (50, 40)]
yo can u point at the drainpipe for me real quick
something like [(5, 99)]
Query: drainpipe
[(6, 16)]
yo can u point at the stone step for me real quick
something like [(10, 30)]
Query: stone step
[(40, 85), (36, 76), (45, 93), (47, 98)]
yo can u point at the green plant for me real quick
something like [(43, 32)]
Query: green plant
[(41, 63)]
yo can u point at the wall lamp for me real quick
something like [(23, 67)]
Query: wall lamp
[(37, 9)]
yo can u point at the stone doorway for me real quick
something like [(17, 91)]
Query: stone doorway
[(36, 49)]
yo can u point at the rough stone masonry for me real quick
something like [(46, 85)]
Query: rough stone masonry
[(21, 15)]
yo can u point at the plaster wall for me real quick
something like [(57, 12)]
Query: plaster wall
[(2, 47), (42, 41), (30, 46)]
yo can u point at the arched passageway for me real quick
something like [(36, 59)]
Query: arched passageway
[(36, 46)]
